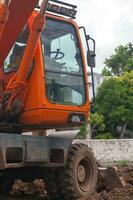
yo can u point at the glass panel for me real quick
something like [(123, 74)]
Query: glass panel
[(64, 88), (64, 56), (63, 63), (14, 57)]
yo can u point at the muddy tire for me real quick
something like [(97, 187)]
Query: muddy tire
[(78, 178), (52, 183), (6, 185)]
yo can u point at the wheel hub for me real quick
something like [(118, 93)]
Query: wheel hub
[(81, 173)]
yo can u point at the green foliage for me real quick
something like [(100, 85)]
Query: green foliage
[(122, 163), (120, 62), (114, 101), (97, 123), (83, 132), (106, 72), (105, 136)]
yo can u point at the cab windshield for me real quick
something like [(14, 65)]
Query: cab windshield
[(63, 64)]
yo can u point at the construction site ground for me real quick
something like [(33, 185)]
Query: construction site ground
[(114, 183)]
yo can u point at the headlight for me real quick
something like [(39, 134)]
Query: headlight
[(77, 118)]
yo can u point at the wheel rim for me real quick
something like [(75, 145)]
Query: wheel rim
[(81, 173), (84, 174)]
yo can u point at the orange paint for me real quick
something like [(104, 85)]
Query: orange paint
[(38, 112), (4, 13)]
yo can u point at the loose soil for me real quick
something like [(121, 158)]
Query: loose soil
[(114, 183)]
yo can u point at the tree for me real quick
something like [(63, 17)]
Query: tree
[(114, 101), (120, 62), (97, 123), (106, 72), (82, 132)]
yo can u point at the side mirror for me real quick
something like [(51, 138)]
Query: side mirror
[(91, 58)]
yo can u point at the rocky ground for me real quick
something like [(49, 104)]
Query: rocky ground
[(114, 183)]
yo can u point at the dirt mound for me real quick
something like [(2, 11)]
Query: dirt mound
[(35, 188), (127, 174), (108, 179), (125, 193), (113, 184)]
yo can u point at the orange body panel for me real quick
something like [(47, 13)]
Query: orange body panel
[(38, 112), (19, 12), (4, 13)]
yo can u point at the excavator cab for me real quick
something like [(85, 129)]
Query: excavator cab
[(57, 78)]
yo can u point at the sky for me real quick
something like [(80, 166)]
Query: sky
[(109, 22)]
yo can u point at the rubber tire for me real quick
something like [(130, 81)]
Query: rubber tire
[(52, 183), (6, 185), (69, 187)]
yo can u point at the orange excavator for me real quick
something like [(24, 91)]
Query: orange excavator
[(44, 85)]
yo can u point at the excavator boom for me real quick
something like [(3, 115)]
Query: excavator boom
[(17, 87), (19, 12)]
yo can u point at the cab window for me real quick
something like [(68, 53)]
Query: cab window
[(63, 64), (14, 57)]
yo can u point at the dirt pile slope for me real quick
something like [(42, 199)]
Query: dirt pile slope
[(113, 184)]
